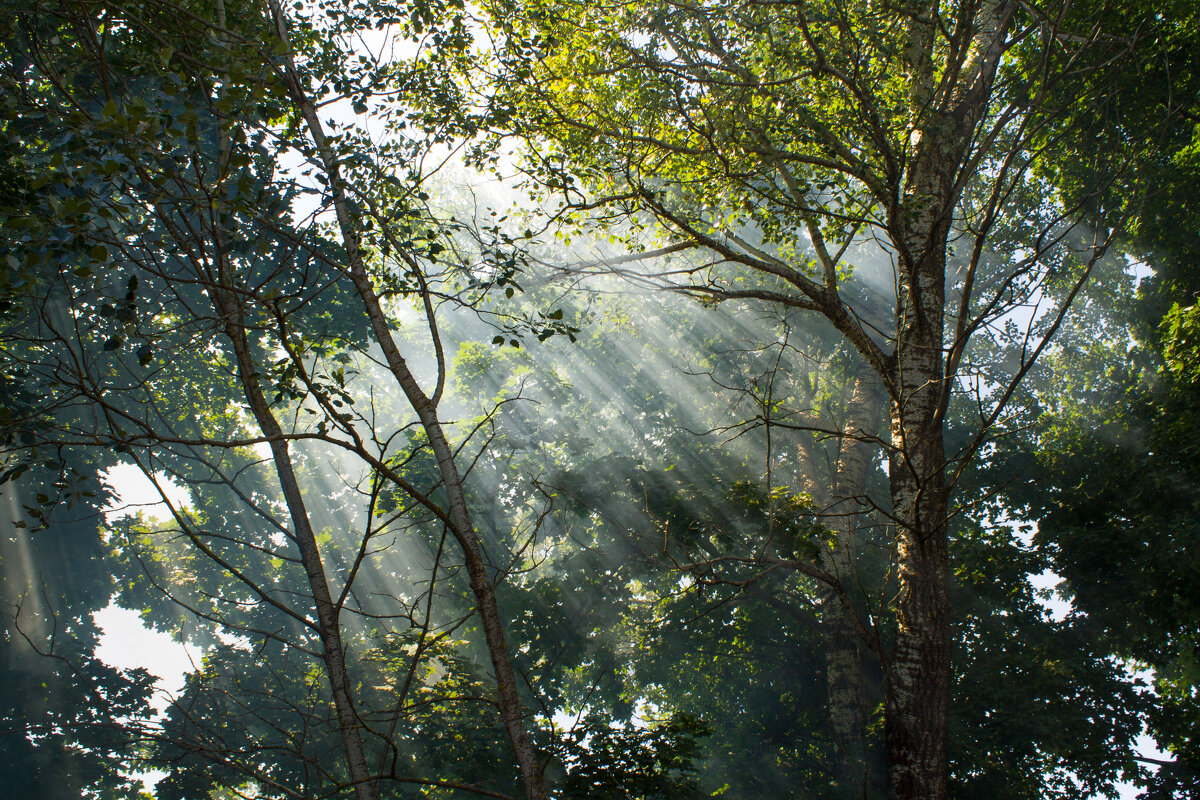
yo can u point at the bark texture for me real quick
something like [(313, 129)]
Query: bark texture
[(944, 123), (849, 655), (918, 677)]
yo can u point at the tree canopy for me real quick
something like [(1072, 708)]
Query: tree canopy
[(632, 400)]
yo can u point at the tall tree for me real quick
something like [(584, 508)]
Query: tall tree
[(198, 318), (1106, 463), (765, 141)]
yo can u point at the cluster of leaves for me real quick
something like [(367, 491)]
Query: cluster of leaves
[(657, 762)]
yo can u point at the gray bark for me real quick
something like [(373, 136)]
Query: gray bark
[(918, 679), (918, 676), (848, 653)]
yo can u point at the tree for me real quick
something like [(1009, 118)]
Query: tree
[(166, 129), (186, 316), (1105, 457), (665, 584), (767, 141)]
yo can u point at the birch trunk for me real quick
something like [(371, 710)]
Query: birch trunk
[(848, 656), (918, 677)]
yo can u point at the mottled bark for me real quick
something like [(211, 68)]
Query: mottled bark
[(848, 653), (918, 675), (918, 678)]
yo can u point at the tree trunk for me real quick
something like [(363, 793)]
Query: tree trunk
[(918, 677), (461, 525), (463, 530), (333, 651), (848, 655)]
